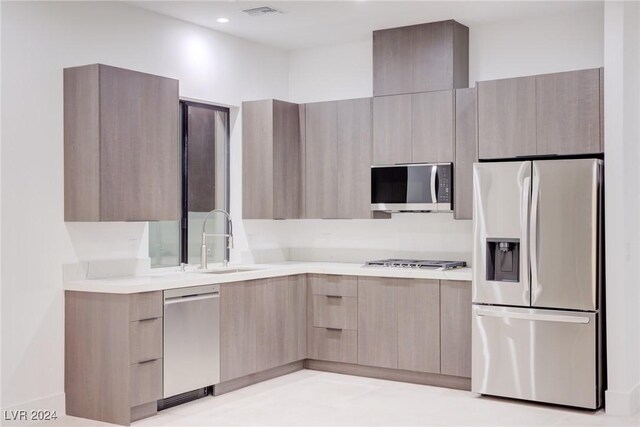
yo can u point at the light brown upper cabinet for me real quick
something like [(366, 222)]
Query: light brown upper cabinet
[(121, 145), (415, 128), (338, 159), (507, 117), (392, 130), (354, 158), (321, 160), (420, 58), (466, 152), (271, 160), (432, 129), (568, 112), (550, 114)]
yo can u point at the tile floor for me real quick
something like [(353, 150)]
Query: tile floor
[(311, 398)]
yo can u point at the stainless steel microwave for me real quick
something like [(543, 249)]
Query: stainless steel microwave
[(412, 188)]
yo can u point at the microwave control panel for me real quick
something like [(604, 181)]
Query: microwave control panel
[(444, 184)]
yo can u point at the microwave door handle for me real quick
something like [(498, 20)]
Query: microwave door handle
[(434, 175)]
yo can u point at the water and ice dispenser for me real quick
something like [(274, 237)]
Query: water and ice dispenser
[(503, 260)]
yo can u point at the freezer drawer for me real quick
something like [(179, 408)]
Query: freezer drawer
[(541, 355)]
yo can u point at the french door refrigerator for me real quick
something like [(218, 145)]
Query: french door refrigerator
[(536, 282)]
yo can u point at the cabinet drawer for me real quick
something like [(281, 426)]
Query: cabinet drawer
[(335, 312), (345, 286), (145, 340), (146, 382), (145, 305), (336, 345)]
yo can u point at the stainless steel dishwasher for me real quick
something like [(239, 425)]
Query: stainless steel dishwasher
[(191, 339)]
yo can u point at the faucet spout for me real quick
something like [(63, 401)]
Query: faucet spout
[(228, 236)]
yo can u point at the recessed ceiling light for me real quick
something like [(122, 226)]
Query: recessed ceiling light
[(222, 20)]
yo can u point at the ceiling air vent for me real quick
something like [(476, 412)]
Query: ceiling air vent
[(260, 11)]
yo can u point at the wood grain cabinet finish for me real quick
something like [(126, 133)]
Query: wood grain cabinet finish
[(418, 325), (238, 319), (420, 58), (332, 318), (321, 160), (392, 130), (262, 325), (272, 159), (455, 328), (377, 322), (121, 146), (507, 118), (280, 321), (466, 152), (355, 139), (432, 127), (568, 112), (113, 360)]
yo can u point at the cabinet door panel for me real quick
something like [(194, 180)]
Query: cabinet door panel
[(568, 112), (321, 161), (257, 159), (455, 301), (237, 330), (377, 322), (139, 146), (287, 160), (392, 130), (432, 56), (466, 152), (432, 127), (507, 118), (392, 61), (354, 158), (419, 325)]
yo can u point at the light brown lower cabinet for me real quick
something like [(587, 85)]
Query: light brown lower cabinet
[(113, 355), (262, 325), (455, 328), (399, 323)]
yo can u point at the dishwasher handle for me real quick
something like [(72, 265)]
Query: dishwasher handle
[(191, 298)]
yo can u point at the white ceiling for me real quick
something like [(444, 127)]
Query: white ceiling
[(305, 24)]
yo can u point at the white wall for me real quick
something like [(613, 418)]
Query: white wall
[(622, 198), (38, 41)]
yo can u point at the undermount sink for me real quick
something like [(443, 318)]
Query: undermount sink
[(228, 270)]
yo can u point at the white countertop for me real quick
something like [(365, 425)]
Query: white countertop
[(157, 281)]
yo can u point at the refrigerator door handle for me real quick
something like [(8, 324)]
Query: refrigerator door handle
[(535, 317), (536, 289), (524, 223)]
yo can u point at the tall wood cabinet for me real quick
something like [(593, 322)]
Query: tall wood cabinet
[(338, 159), (466, 152), (550, 114), (271, 160), (121, 145), (420, 58)]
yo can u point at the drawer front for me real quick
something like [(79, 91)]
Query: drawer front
[(335, 345), (145, 305), (146, 382), (335, 312), (327, 284), (145, 340)]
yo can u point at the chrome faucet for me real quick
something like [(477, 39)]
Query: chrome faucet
[(229, 236)]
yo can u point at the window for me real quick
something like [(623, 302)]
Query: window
[(205, 186)]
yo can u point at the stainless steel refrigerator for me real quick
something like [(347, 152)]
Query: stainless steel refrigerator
[(537, 278)]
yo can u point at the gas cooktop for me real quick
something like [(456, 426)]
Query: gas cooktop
[(416, 263)]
